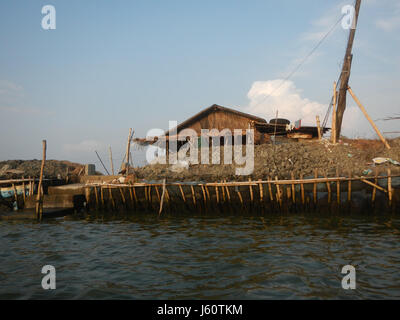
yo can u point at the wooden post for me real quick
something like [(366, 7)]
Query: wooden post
[(333, 133), (293, 189), (390, 192), (102, 196), (111, 161), (193, 194), (111, 197), (251, 192), (122, 196), (346, 69), (23, 190), (374, 190), (39, 199), (128, 146), (328, 187), (162, 198), (337, 186), (349, 188), (369, 118), (204, 196), (227, 193), (303, 200), (271, 196), (261, 191), (319, 128), (315, 186), (97, 197), (182, 193)]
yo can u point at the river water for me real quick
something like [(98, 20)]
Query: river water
[(221, 257)]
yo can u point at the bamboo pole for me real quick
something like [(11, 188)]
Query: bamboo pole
[(135, 196), (182, 193), (23, 190), (217, 193), (369, 118), (390, 192), (128, 146), (193, 195), (278, 192), (319, 128), (302, 190), (349, 188), (111, 161), (228, 193), (39, 199), (374, 185), (271, 196), (111, 197), (204, 196), (333, 133), (96, 196), (261, 192), (162, 198), (240, 197), (328, 187), (122, 196), (315, 193), (102, 197), (337, 187), (293, 189), (251, 192), (374, 190)]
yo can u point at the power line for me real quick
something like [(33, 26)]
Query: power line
[(302, 62)]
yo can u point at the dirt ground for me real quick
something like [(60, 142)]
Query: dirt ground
[(13, 169), (281, 160)]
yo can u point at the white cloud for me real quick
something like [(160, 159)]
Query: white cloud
[(267, 97), (84, 146)]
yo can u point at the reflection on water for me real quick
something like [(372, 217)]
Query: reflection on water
[(224, 257)]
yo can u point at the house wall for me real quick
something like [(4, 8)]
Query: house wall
[(224, 120)]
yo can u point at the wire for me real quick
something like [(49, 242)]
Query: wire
[(302, 62)]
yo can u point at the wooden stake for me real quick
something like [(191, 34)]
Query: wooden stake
[(193, 194), (39, 199), (111, 197), (128, 146), (302, 190), (369, 118), (338, 186), (293, 189), (111, 161), (97, 197), (328, 187), (251, 192), (374, 190), (182, 193), (333, 133), (390, 192), (319, 128), (315, 193), (260, 186), (349, 188), (162, 198), (271, 196)]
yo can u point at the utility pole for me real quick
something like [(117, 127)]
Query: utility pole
[(345, 75)]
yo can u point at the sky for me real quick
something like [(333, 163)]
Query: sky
[(114, 65)]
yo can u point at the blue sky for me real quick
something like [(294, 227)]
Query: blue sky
[(112, 65)]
